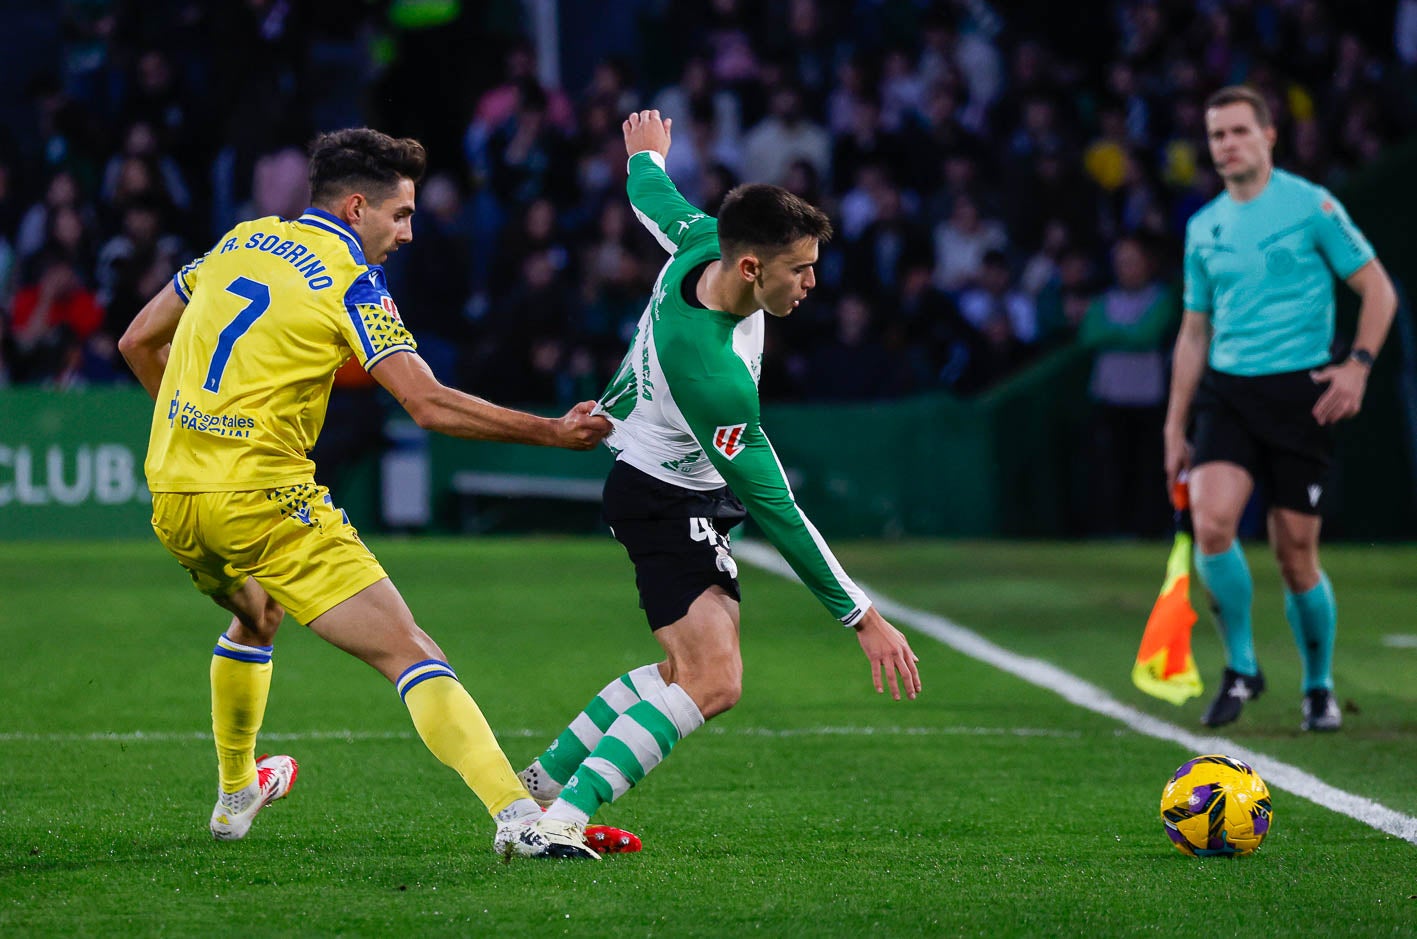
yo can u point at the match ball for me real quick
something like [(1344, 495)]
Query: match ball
[(1216, 805)]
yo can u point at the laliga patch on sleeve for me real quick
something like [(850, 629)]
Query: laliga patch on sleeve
[(728, 439)]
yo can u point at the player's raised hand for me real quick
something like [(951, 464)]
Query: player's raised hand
[(1344, 397), (644, 130), (892, 659), (579, 429)]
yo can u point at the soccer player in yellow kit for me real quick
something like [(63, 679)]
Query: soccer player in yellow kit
[(239, 351)]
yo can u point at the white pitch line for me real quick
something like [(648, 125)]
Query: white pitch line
[(1400, 641), (354, 736), (171, 736), (1278, 774), (889, 731)]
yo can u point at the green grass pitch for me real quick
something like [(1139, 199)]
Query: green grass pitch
[(988, 807)]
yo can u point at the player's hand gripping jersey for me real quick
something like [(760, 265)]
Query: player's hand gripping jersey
[(272, 311), (684, 402)]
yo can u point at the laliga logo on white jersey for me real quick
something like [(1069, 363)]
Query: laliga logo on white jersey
[(728, 439)]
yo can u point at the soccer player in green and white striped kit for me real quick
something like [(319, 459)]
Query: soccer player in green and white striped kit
[(690, 455), (1252, 376)]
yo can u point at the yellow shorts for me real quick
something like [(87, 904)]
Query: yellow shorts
[(293, 540)]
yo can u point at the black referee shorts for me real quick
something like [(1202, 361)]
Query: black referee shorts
[(677, 539), (1265, 423)]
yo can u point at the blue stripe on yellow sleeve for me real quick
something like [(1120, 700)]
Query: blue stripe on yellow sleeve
[(182, 281), (383, 354), (360, 331), (377, 327)]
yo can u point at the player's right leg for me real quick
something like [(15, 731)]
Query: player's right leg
[(1219, 493), (548, 773), (705, 679), (678, 542)]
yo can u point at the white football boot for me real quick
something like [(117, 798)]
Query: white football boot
[(234, 812)]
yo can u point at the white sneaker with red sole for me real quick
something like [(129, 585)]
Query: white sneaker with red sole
[(234, 812)]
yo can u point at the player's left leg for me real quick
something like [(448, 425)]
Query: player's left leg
[(376, 626), (313, 561), (1302, 458), (1311, 609)]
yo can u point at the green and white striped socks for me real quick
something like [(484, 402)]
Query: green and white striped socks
[(545, 777), (634, 744)]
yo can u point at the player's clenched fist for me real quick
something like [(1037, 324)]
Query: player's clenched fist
[(644, 130), (580, 429)]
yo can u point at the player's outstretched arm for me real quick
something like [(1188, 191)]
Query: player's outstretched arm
[(147, 341), (892, 660), (435, 406), (654, 198)]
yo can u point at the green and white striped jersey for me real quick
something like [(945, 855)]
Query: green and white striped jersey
[(684, 402)]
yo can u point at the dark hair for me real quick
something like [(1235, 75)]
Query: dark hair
[(1242, 94), (360, 158), (768, 219)]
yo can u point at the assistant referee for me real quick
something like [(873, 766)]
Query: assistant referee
[(1255, 384)]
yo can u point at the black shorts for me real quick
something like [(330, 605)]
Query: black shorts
[(1265, 423), (677, 539)]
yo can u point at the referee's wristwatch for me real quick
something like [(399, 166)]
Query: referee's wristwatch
[(1363, 357)]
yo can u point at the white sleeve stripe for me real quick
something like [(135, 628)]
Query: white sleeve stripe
[(655, 157), (659, 236)]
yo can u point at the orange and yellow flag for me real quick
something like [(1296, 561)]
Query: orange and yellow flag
[(1165, 667)]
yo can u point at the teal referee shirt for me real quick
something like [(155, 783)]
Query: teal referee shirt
[(1263, 272)]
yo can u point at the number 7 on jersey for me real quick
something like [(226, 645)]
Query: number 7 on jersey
[(258, 300)]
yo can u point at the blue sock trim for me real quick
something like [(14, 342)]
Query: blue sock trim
[(228, 648), (419, 672)]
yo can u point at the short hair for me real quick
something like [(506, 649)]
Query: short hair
[(1242, 94), (360, 158), (767, 219)]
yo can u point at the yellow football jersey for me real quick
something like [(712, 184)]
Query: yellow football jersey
[(272, 311)]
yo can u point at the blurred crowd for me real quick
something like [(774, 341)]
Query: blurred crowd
[(1004, 178)]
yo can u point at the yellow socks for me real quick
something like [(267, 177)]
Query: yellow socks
[(241, 683), (452, 726)]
